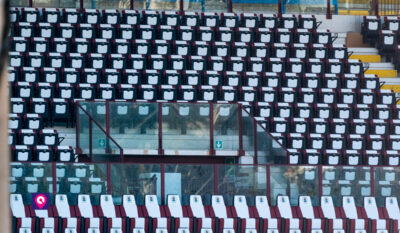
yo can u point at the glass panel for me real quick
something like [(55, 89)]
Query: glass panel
[(17, 3), (136, 179), (269, 151), (112, 4), (226, 128), (186, 127), (215, 5), (193, 5), (349, 6), (263, 6), (134, 126), (242, 180), (83, 125), (161, 4), (307, 6), (54, 3), (346, 181), (386, 183), (186, 180), (103, 147), (294, 181), (80, 178), (248, 133), (29, 178)]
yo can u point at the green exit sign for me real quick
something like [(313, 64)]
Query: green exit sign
[(218, 145), (102, 143)]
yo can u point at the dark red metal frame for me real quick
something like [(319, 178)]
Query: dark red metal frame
[(160, 133)]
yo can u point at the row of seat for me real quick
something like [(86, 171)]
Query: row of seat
[(373, 24), (186, 18), (42, 153), (218, 217), (177, 47)]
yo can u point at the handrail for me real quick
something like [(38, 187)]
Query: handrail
[(101, 128)]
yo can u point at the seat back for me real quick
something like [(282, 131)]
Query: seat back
[(62, 206), (370, 207), (392, 207), (17, 206), (152, 206), (284, 207), (175, 207), (241, 207), (349, 207), (130, 207), (85, 206), (218, 204), (107, 205), (327, 207), (263, 207), (196, 204), (306, 207)]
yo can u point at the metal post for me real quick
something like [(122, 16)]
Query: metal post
[(215, 179), (108, 149), (109, 178), (81, 4), (90, 140), (328, 10), (163, 184), (132, 4), (181, 7), (160, 146), (54, 174), (320, 179), (255, 143), (279, 8), (230, 6), (211, 114), (376, 7), (240, 121), (372, 179), (269, 184)]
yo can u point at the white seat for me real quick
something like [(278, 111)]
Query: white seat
[(218, 205), (175, 208), (196, 204), (286, 212), (151, 203), (243, 212), (131, 211), (86, 210)]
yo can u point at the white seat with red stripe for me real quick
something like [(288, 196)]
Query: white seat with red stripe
[(49, 225), (307, 211), (69, 222), (393, 211), (86, 210), (264, 212), (218, 205), (351, 212), (175, 208), (329, 212), (131, 211), (242, 210), (18, 211), (108, 208), (286, 212), (153, 209), (196, 205), (372, 213)]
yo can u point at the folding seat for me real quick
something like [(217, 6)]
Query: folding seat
[(392, 209), (334, 66), (323, 111), (354, 66), (375, 142), (167, 92), (167, 32), (30, 15), (307, 95), (106, 91), (226, 220), (314, 223), (260, 50), (248, 94), (295, 156), (387, 42), (101, 46), (187, 93), (151, 17), (170, 18), (207, 93), (48, 137), (12, 138), (303, 110), (229, 20), (43, 153), (91, 16), (308, 22), (280, 138), (116, 61), (288, 21), (296, 141), (343, 111), (14, 121), (65, 31), (391, 157), (75, 60), (59, 45), (121, 46), (22, 153), (176, 62), (35, 59), (23, 90), (251, 79), (192, 77), (147, 92), (264, 109), (201, 48), (295, 65), (280, 50), (299, 51), (369, 81), (332, 157), (91, 76), (28, 137), (355, 142), (39, 45), (56, 60), (181, 48), (205, 34), (328, 96), (24, 30), (248, 221), (225, 34), (339, 126), (111, 16), (65, 90), (197, 63), (268, 94), (20, 44), (14, 14), (86, 31), (49, 75), (33, 121), (331, 81), (249, 20), (292, 222), (357, 215), (106, 31), (70, 15), (141, 47), (157, 62), (385, 97), (276, 65), (151, 77), (182, 223), (13, 74), (264, 35), (393, 142), (127, 91), (18, 106), (333, 215), (287, 95), (186, 33), (319, 51), (22, 219), (85, 91), (347, 96), (29, 74), (161, 47), (126, 31), (201, 215), (370, 29), (146, 32), (299, 125), (232, 78), (93, 222), (245, 35), (115, 222), (111, 76), (269, 21), (394, 126), (336, 141), (278, 125), (256, 64), (362, 111), (272, 79), (217, 63), (379, 127), (16, 59), (137, 62), (322, 36), (160, 222), (131, 17), (45, 30), (351, 81), (212, 78), (237, 64)]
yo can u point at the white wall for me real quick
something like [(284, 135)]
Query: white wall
[(341, 23)]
